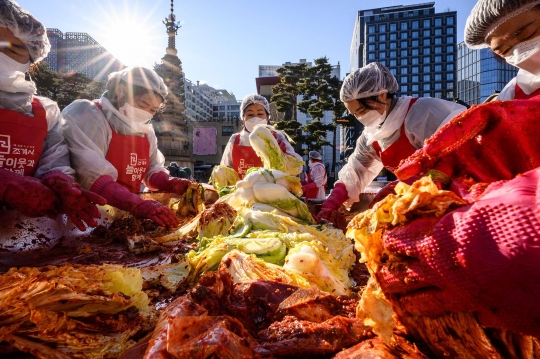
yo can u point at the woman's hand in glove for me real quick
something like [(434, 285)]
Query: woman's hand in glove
[(28, 195), (78, 204), (483, 257), (157, 212), (282, 145), (338, 196), (163, 182)]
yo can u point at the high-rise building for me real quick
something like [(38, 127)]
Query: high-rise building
[(480, 74), (415, 43), (79, 52)]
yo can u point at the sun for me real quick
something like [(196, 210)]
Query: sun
[(131, 34)]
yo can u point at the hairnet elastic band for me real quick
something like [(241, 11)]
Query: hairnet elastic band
[(519, 11)]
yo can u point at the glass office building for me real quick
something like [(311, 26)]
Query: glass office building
[(480, 74)]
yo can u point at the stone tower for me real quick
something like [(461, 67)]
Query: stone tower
[(172, 127)]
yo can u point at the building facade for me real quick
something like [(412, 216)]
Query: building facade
[(415, 43), (480, 74), (78, 52)]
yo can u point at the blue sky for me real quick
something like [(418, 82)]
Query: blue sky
[(222, 42)]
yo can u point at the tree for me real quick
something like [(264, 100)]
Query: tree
[(64, 88), (285, 94)]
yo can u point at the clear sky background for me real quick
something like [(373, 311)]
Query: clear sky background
[(222, 42)]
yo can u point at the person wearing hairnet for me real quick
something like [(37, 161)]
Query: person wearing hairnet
[(511, 28), (113, 146), (35, 174), (315, 186), (394, 128), (238, 153)]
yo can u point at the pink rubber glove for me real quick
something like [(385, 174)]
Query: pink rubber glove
[(78, 204), (120, 197), (483, 257), (309, 186), (332, 203), (280, 142), (28, 195), (166, 183)]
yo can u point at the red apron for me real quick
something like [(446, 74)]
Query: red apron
[(520, 95), (312, 193), (399, 150), (244, 157), (22, 138), (130, 155)]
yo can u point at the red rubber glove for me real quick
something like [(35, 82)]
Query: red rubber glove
[(483, 257), (78, 204), (120, 197), (333, 202), (489, 142), (28, 195), (309, 186), (280, 143), (164, 182)]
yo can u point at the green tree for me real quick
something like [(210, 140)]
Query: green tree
[(285, 94)]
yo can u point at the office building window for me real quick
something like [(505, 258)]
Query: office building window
[(404, 35), (382, 37), (382, 28), (382, 46), (403, 71), (449, 67), (438, 68), (427, 33), (450, 76), (404, 53), (393, 27), (393, 36), (450, 85), (393, 54), (403, 62), (438, 41), (426, 11), (393, 71), (404, 25), (427, 23), (404, 44), (426, 60), (438, 59), (438, 94), (414, 79), (438, 77), (415, 94), (404, 88), (371, 38), (438, 32), (427, 87), (393, 62), (414, 88), (427, 94), (415, 52), (227, 130), (450, 94), (403, 79), (415, 43), (449, 30), (438, 86), (450, 58), (427, 78), (426, 51), (415, 24), (371, 29), (393, 45), (371, 56), (426, 42), (415, 34), (415, 70), (371, 47), (438, 21), (414, 61), (450, 48), (426, 69), (449, 20), (382, 54), (449, 39), (438, 50)]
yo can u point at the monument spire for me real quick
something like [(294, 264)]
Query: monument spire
[(172, 30)]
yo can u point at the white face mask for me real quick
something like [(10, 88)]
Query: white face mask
[(9, 65), (372, 119), (252, 122), (526, 56), (135, 114)]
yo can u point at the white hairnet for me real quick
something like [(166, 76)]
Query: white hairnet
[(488, 15), (26, 28), (370, 80), (250, 100), (315, 155), (142, 77)]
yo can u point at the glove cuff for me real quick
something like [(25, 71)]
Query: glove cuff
[(116, 195), (340, 192), (161, 181)]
